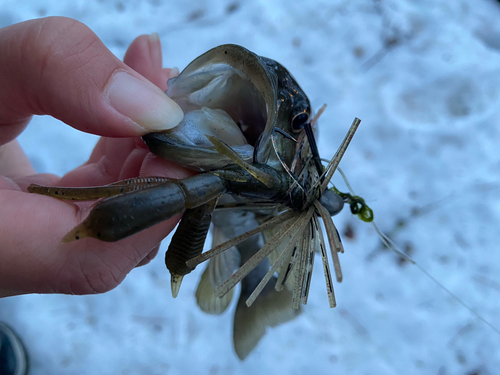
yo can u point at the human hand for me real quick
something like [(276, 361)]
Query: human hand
[(59, 67)]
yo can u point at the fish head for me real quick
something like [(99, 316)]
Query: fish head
[(239, 97)]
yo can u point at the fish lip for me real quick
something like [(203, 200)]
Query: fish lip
[(160, 144), (152, 140), (156, 140), (156, 143), (197, 158)]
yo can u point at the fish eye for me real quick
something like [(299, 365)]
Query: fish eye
[(299, 120)]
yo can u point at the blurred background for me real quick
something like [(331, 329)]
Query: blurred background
[(424, 77)]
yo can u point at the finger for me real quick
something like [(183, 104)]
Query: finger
[(132, 165), (13, 161), (105, 164), (34, 260), (156, 166), (44, 179), (59, 67), (117, 159), (148, 258), (145, 57)]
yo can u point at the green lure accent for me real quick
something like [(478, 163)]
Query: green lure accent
[(357, 205)]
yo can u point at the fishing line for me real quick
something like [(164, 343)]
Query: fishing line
[(392, 246)]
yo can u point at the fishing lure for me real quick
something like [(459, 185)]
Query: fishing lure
[(248, 130)]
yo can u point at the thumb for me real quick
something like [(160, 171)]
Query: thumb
[(57, 66)]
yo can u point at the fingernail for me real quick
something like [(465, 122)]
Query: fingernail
[(142, 102), (174, 72), (155, 50), (154, 37)]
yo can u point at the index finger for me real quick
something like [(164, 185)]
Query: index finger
[(57, 66)]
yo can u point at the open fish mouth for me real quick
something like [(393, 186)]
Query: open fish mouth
[(238, 97), (221, 99), (226, 88)]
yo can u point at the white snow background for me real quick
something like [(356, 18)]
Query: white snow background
[(424, 77)]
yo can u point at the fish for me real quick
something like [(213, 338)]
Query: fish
[(248, 130)]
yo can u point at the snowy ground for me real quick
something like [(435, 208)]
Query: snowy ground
[(424, 76)]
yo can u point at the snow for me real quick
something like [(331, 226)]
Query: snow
[(424, 78)]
